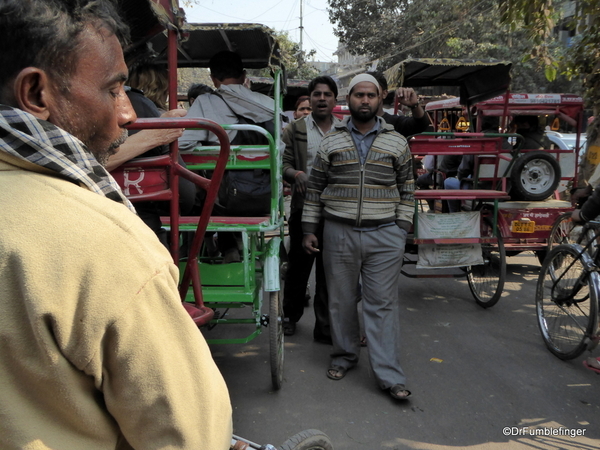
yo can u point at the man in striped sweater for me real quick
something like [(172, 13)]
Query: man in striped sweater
[(361, 184)]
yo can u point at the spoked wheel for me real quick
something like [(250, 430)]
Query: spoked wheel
[(308, 440), (486, 280), (276, 338), (589, 238), (567, 301), (561, 231)]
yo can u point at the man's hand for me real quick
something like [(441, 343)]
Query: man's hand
[(407, 96), (310, 243), (575, 217), (174, 113), (301, 181), (580, 193)]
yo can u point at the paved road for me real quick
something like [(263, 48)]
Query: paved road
[(472, 372)]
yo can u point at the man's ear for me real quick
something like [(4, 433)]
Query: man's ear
[(32, 92)]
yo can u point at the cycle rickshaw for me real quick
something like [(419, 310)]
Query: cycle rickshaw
[(204, 286), (506, 228), (539, 179)]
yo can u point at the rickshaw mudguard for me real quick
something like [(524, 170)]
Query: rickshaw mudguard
[(271, 274)]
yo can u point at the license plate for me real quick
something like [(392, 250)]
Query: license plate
[(523, 226)]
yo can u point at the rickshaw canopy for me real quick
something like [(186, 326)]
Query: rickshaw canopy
[(147, 18), (255, 43), (478, 80)]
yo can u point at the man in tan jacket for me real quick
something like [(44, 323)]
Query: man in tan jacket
[(96, 350)]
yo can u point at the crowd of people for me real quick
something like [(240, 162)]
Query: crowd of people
[(97, 350)]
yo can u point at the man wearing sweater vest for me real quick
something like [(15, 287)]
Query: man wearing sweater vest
[(362, 185)]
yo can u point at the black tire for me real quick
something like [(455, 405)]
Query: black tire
[(560, 233), (276, 349), (308, 440), (567, 316), (486, 281), (534, 176)]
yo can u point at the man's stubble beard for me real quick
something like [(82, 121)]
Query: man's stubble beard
[(103, 156)]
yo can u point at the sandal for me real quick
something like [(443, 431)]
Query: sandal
[(336, 372), (399, 392)]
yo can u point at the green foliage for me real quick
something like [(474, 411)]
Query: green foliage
[(393, 30), (294, 60), (582, 60)]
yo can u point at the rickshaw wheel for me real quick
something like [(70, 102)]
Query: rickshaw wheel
[(566, 302), (276, 338), (486, 280), (308, 440)]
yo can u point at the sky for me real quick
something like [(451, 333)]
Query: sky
[(280, 15)]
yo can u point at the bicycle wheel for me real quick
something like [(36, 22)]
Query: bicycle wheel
[(276, 338), (308, 440), (567, 301), (588, 238), (561, 231), (486, 280)]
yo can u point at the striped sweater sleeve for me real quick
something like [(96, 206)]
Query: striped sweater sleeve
[(406, 186)]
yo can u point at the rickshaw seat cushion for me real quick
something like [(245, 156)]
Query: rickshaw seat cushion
[(225, 220), (200, 315), (460, 194)]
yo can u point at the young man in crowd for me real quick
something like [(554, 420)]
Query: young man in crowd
[(302, 139)]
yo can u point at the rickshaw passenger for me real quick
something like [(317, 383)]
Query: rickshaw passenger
[(463, 178), (97, 351), (197, 89), (233, 103), (534, 136), (148, 91)]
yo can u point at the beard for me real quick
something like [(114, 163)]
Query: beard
[(362, 116), (102, 156)]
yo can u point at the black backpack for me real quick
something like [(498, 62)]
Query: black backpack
[(245, 192)]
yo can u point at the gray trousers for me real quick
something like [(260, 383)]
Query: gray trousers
[(375, 258)]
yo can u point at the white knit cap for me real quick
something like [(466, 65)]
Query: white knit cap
[(360, 78)]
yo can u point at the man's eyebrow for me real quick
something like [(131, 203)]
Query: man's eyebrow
[(119, 78)]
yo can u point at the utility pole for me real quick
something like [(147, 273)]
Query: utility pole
[(301, 58)]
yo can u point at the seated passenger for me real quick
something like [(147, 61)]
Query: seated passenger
[(529, 128), (233, 103), (148, 90), (465, 172)]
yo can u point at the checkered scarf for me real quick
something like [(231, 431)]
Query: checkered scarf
[(44, 144)]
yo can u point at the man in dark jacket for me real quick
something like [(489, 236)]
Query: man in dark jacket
[(302, 138)]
